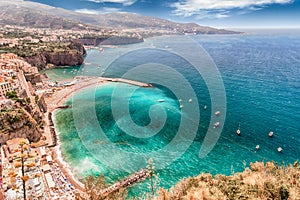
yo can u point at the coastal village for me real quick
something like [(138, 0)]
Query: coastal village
[(31, 166)]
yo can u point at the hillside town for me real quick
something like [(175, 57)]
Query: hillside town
[(28, 168)]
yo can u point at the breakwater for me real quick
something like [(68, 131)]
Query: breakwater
[(52, 130)]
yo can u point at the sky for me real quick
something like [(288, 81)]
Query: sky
[(217, 13)]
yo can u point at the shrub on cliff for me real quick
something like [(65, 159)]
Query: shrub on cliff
[(262, 181)]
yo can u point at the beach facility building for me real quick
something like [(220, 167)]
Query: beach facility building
[(49, 179)]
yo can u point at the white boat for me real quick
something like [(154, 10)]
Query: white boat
[(190, 100), (205, 107), (271, 134), (238, 131), (160, 100), (181, 106), (257, 147), (217, 113), (180, 100), (217, 124), (279, 149)]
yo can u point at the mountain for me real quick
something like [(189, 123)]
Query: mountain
[(26, 13)]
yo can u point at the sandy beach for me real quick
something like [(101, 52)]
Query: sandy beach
[(57, 99)]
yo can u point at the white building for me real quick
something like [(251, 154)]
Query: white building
[(5, 87)]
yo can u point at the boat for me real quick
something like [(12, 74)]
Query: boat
[(279, 149), (217, 124), (190, 100), (160, 100), (180, 100), (257, 147), (205, 107), (238, 131), (217, 113), (271, 134), (181, 106)]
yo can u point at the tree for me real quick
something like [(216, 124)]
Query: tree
[(24, 146), (11, 95)]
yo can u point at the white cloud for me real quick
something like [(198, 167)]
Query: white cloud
[(88, 11), (124, 2), (187, 8), (100, 11)]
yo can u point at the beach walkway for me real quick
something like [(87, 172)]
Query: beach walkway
[(127, 182)]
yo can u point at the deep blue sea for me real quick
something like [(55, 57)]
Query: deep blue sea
[(260, 73)]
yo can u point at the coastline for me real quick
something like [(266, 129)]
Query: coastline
[(65, 167), (56, 100)]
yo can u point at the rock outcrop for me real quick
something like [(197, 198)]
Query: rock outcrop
[(18, 123), (70, 57)]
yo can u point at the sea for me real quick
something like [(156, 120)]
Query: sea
[(115, 128)]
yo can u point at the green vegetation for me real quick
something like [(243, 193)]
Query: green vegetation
[(11, 95), (28, 49), (262, 181), (36, 99)]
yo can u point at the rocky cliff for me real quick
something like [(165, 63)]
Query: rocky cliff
[(72, 56), (18, 123)]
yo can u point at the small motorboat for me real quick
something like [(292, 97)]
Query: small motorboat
[(180, 100), (238, 131), (257, 147), (160, 100), (271, 134), (217, 124), (190, 100), (217, 113), (181, 106), (279, 149), (205, 107)]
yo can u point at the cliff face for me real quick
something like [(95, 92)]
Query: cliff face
[(72, 57), (18, 123)]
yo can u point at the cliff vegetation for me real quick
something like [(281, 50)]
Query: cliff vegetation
[(43, 53), (260, 181), (20, 121)]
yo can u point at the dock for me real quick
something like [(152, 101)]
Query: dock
[(131, 82), (127, 182)]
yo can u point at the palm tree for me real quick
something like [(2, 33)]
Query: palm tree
[(24, 146)]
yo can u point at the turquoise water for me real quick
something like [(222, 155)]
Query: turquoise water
[(261, 78), (62, 73)]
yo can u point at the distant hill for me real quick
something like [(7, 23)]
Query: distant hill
[(26, 13)]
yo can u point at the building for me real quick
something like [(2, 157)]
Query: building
[(5, 87)]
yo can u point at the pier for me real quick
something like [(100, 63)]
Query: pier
[(131, 82), (127, 182)]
